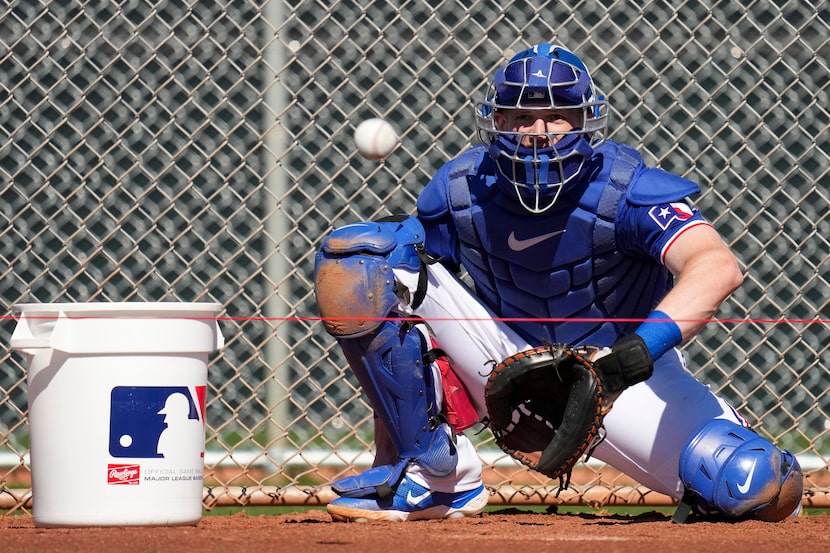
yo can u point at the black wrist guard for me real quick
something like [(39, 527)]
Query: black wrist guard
[(628, 363)]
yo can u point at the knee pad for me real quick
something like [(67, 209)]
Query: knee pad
[(353, 281), (729, 470)]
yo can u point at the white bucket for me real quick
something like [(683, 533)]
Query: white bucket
[(116, 410)]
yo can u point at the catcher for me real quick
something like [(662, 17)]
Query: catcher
[(588, 270)]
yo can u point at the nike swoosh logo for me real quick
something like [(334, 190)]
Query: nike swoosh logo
[(743, 488), (519, 245), (414, 500)]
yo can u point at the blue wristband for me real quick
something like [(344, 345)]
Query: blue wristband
[(660, 333)]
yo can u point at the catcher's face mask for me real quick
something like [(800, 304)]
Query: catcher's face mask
[(545, 78)]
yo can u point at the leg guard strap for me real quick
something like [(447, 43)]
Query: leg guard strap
[(381, 481)]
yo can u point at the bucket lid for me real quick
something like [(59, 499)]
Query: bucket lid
[(118, 327), (127, 308)]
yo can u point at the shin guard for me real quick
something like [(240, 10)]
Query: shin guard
[(391, 370), (359, 297)]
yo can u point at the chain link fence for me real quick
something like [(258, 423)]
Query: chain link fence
[(155, 150)]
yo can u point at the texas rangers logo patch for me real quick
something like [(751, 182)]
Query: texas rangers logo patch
[(665, 214)]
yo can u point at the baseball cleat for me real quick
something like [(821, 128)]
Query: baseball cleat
[(410, 502)]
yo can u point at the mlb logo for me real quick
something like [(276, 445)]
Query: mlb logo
[(156, 422)]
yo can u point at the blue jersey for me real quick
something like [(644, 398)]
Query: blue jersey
[(585, 271)]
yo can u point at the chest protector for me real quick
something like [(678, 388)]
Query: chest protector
[(557, 277)]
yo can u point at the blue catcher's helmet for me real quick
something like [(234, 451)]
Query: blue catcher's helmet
[(543, 77), (737, 473)]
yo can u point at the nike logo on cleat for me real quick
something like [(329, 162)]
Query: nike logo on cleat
[(743, 488), (414, 500), (519, 245)]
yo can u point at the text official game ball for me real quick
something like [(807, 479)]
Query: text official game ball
[(375, 138)]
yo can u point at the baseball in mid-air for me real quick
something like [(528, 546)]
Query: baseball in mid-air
[(375, 138)]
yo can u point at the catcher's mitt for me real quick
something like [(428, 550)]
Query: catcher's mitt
[(545, 407)]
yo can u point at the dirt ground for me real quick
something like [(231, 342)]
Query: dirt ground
[(508, 529)]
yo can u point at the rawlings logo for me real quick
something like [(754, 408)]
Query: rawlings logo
[(123, 474)]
